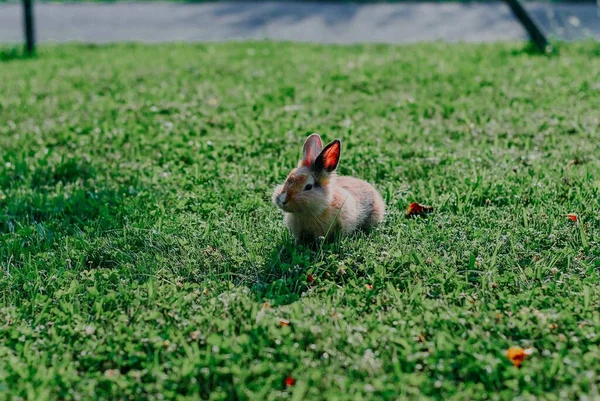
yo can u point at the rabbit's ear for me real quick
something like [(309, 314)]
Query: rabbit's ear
[(312, 147), (329, 157)]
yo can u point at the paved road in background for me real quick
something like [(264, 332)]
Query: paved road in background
[(325, 23)]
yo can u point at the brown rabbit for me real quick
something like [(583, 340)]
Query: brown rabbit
[(318, 203)]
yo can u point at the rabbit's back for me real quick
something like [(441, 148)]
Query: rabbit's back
[(369, 204)]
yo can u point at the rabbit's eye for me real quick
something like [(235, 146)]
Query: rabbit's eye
[(308, 187)]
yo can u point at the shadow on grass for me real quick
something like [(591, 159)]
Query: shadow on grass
[(36, 220), (54, 197), (283, 279), (46, 201), (59, 198), (14, 53), (530, 49), (291, 269)]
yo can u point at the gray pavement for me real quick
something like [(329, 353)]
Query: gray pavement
[(297, 21)]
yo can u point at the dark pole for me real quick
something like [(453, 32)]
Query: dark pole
[(28, 21), (532, 29)]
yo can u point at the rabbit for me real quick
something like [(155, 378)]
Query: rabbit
[(317, 203)]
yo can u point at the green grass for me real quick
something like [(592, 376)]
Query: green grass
[(138, 243)]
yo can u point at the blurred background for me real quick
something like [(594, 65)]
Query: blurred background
[(312, 21)]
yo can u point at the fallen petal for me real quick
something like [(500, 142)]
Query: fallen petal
[(290, 381), (416, 209)]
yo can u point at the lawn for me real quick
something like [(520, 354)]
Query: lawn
[(141, 257)]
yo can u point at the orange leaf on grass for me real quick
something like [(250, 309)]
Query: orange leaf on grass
[(572, 217), (416, 209), (290, 381), (310, 278), (283, 322), (517, 355)]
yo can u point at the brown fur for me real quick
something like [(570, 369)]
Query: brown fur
[(333, 204)]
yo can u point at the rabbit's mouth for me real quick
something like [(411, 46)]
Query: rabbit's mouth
[(283, 206), (281, 201)]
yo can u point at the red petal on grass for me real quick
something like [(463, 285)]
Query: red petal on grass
[(284, 322), (416, 209), (572, 217), (290, 381), (310, 278), (517, 355), (369, 286)]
